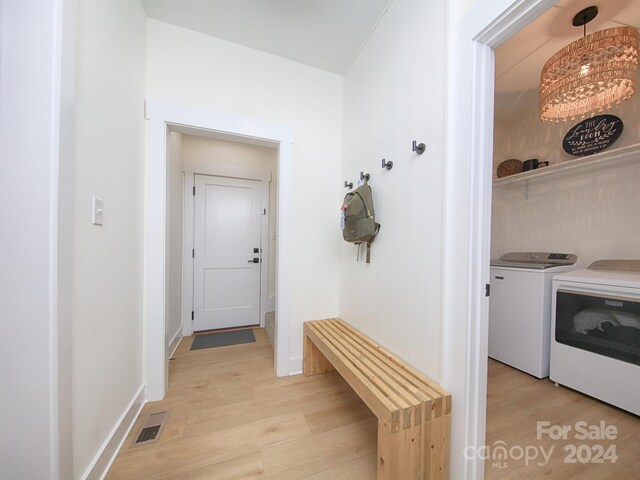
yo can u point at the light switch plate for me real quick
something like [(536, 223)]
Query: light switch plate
[(98, 211)]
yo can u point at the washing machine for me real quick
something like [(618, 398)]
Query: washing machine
[(595, 341), (520, 308)]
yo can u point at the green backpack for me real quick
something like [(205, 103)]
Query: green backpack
[(358, 218)]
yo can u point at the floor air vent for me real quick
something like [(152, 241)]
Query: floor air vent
[(151, 428)]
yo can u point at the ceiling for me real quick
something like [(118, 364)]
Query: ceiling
[(326, 34), (519, 61)]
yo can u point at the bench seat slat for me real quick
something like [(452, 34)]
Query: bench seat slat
[(435, 390), (396, 362), (380, 406), (415, 388), (416, 398), (386, 386), (397, 366)]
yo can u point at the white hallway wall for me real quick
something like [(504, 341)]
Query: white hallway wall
[(35, 37), (192, 69), (394, 93), (107, 260)]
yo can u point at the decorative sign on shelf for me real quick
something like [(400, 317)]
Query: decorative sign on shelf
[(592, 135)]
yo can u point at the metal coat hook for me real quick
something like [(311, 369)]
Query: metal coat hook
[(418, 148), (388, 165), (348, 185), (364, 176)]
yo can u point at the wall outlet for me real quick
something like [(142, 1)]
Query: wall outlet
[(97, 211)]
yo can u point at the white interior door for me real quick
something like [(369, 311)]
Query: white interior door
[(226, 243)]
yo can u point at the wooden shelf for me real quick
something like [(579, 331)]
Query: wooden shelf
[(606, 159)]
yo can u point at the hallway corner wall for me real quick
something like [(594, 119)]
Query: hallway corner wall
[(107, 304), (394, 94)]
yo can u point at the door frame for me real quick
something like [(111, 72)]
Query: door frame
[(265, 179), (468, 186), (162, 118)]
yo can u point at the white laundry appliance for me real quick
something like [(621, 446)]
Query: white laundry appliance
[(520, 308), (595, 342)]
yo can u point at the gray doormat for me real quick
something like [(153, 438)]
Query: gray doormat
[(222, 339)]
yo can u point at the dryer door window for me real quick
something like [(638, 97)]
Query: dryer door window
[(608, 326)]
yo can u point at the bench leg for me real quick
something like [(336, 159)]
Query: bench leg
[(314, 361), (426, 449), (446, 429), (399, 453), (435, 440)]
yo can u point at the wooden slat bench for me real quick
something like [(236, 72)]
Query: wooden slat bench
[(414, 413)]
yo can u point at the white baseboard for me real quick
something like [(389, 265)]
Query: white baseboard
[(100, 465), (175, 341), (271, 303), (295, 366)]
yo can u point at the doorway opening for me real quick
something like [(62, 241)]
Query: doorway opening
[(470, 96), (229, 192), (273, 232), (552, 212)]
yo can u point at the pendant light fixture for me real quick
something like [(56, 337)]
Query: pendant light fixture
[(590, 74)]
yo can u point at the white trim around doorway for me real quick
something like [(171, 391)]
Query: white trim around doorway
[(468, 216), (162, 118)]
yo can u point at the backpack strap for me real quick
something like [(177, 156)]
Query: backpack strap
[(369, 244)]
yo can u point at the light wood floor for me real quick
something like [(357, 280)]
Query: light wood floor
[(517, 401), (232, 418)]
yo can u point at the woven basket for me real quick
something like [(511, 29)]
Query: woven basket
[(509, 167)]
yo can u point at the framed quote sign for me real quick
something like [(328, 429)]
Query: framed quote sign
[(592, 135)]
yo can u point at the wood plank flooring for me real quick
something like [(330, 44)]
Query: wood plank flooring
[(517, 401), (232, 418)]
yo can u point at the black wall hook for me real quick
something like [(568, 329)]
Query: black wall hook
[(388, 165), (348, 185), (418, 148), (364, 176)]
